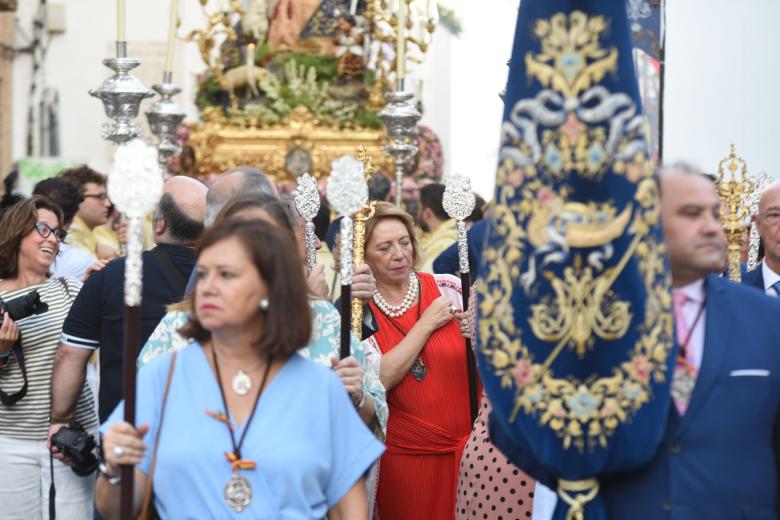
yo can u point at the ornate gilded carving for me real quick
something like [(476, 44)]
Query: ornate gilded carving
[(735, 188), (220, 143)]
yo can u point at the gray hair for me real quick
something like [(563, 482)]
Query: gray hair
[(253, 181), (288, 200)]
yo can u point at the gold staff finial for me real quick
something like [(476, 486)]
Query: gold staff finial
[(735, 189), (359, 234)]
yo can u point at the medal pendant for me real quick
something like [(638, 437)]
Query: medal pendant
[(683, 384), (242, 384), (238, 493), (418, 370)]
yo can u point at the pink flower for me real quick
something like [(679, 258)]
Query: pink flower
[(523, 374), (640, 368), (545, 196)]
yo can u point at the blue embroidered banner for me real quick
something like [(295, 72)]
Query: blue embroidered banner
[(575, 331)]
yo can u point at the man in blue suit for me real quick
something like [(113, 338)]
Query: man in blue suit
[(766, 276), (719, 457)]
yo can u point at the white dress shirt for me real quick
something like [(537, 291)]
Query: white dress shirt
[(770, 278)]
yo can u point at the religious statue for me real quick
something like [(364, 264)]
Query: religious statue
[(288, 20), (349, 48), (255, 22)]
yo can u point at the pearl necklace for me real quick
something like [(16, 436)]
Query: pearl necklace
[(394, 311)]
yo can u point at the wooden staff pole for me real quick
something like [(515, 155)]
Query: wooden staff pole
[(131, 345)]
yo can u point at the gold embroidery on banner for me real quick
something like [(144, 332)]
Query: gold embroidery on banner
[(540, 226), (572, 59)]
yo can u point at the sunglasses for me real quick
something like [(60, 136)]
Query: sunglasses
[(44, 230)]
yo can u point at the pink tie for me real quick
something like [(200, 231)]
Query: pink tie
[(680, 299), (685, 371)]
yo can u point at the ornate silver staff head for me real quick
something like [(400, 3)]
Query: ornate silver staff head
[(347, 193), (459, 202), (121, 95), (135, 184), (307, 202)]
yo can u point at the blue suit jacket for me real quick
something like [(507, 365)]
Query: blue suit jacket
[(754, 278), (719, 460)]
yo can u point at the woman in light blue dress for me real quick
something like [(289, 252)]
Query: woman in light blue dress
[(251, 429)]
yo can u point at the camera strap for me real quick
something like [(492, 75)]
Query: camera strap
[(52, 491), (18, 354)]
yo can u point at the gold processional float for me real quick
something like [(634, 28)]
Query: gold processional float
[(739, 194), (289, 93)]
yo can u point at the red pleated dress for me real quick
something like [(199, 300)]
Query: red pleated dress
[(429, 420)]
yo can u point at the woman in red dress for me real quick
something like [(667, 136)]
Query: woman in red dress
[(423, 367)]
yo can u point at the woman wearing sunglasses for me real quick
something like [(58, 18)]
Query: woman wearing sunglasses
[(30, 235)]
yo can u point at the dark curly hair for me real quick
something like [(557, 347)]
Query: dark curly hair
[(79, 176), (63, 193)]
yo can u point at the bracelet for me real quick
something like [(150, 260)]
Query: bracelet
[(61, 420), (360, 404), (111, 479)]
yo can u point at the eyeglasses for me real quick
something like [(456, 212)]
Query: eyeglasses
[(44, 230), (102, 197), (771, 217)]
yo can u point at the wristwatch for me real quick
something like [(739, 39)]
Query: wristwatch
[(111, 479)]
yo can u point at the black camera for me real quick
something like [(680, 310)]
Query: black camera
[(23, 306), (79, 446)]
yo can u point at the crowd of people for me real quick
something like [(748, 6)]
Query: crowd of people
[(244, 406)]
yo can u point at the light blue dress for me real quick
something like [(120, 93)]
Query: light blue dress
[(309, 444), (324, 344)]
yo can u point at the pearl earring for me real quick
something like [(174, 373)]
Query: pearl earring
[(264, 304)]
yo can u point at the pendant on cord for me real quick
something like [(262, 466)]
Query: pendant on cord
[(238, 493), (418, 369), (242, 384)]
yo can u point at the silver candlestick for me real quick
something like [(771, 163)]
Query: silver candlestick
[(121, 95), (307, 202), (400, 117), (164, 118)]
